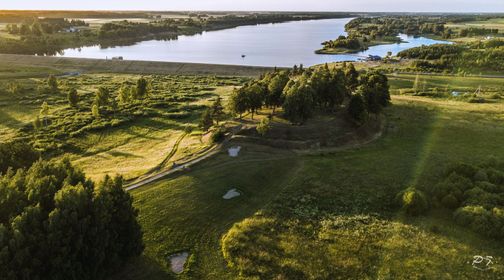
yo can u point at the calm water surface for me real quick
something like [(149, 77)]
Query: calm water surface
[(283, 45)]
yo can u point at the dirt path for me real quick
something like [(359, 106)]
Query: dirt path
[(217, 149), (170, 155), (207, 154)]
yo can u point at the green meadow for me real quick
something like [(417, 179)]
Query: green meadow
[(326, 215)]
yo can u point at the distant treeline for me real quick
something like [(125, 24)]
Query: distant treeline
[(197, 24), (392, 26), (129, 29), (474, 31), (485, 55), (39, 27), (19, 16), (365, 31)]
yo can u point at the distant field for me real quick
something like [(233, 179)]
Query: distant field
[(447, 86), (494, 23)]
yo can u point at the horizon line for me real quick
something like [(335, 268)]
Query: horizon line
[(249, 11)]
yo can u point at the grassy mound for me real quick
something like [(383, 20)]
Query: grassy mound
[(344, 247), (322, 131)]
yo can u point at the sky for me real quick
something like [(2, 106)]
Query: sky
[(263, 5)]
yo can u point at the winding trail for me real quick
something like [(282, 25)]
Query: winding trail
[(170, 155), (206, 154), (213, 150)]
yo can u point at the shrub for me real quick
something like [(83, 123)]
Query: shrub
[(481, 175), (450, 201), (477, 196), (476, 100), (412, 201), (218, 135), (357, 109), (478, 219), (263, 127), (464, 169), (489, 187), (495, 176), (448, 188)]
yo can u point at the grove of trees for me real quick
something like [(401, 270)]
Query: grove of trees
[(56, 224), (301, 93)]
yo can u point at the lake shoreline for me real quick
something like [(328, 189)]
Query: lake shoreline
[(75, 66), (267, 45)]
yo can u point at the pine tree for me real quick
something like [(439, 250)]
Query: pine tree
[(206, 119), (73, 97), (141, 88), (44, 112), (52, 83), (95, 111), (356, 108)]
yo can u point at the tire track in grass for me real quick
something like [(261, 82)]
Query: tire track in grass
[(170, 155)]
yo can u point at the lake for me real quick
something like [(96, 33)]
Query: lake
[(281, 44)]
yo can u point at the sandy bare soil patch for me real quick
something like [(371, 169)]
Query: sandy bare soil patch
[(232, 193), (177, 262)]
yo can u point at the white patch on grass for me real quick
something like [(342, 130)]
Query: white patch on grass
[(177, 262), (234, 151), (232, 193)]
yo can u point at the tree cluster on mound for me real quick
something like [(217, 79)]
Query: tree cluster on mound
[(476, 196), (302, 92), (56, 224)]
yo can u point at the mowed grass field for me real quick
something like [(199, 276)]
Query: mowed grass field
[(326, 216)]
